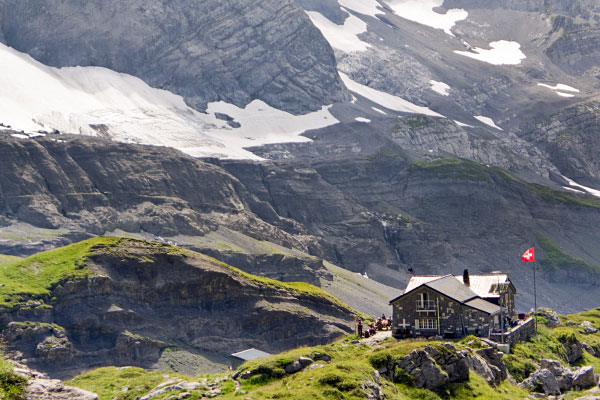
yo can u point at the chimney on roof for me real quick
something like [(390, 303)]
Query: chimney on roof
[(466, 280)]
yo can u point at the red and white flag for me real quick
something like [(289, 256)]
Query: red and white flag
[(528, 256)]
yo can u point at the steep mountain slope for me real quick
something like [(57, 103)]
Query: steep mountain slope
[(206, 52), (380, 214), (109, 301)]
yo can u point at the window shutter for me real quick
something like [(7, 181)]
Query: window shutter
[(416, 324)]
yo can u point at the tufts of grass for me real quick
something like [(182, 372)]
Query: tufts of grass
[(119, 384)]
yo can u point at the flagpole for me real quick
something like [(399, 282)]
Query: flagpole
[(534, 297)]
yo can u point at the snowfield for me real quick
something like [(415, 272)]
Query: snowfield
[(100, 102), (385, 99), (366, 7), (502, 52), (341, 37), (422, 12)]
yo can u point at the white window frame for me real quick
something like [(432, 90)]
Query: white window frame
[(428, 324)]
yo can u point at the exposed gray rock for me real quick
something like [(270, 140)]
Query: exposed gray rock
[(293, 367), (588, 328), (480, 366), (542, 380), (550, 315), (140, 295), (424, 371), (305, 361), (573, 350), (52, 389), (494, 358), (584, 378), (563, 375), (373, 390), (452, 362), (206, 51)]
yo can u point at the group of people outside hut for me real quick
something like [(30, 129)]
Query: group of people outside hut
[(382, 324)]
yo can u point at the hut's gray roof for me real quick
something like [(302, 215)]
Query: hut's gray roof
[(451, 287), (251, 354), (483, 285), (483, 305)]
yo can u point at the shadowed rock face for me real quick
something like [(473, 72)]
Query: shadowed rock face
[(143, 298), (205, 51)]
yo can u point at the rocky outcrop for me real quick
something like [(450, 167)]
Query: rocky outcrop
[(570, 140), (550, 315), (40, 387), (542, 381), (142, 298), (206, 52), (553, 378), (432, 367)]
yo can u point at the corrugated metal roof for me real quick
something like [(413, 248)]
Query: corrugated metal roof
[(452, 287), (251, 354), (482, 285), (482, 305)]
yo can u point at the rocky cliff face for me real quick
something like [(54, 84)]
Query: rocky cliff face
[(142, 298), (207, 51), (381, 214)]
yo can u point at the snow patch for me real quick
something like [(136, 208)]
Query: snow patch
[(361, 119), (487, 121), (574, 190), (341, 37), (563, 88), (422, 12), (593, 192), (440, 87), (560, 86), (99, 102), (366, 7), (379, 111), (502, 52), (385, 99), (462, 124)]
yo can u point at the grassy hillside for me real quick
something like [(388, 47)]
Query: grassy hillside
[(353, 364)]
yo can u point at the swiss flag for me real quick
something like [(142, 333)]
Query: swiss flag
[(528, 256)]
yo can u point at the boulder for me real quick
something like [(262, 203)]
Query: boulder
[(305, 361), (584, 377), (574, 351), (321, 357), (451, 361), (588, 328), (477, 364), (553, 366), (425, 372), (593, 350), (293, 367), (494, 359), (563, 375), (542, 381), (550, 315)]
